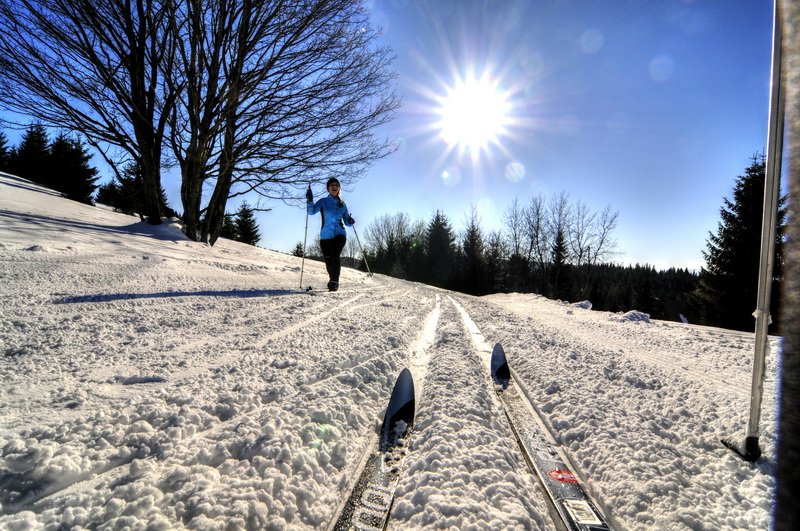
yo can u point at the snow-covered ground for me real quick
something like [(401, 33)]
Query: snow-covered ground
[(152, 382)]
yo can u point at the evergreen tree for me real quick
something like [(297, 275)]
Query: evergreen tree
[(727, 290), (228, 227), (559, 269), (246, 226), (113, 194), (415, 254), (440, 251), (29, 160), (472, 271), (517, 274), (69, 171), (125, 193), (496, 263), (107, 193), (5, 153), (298, 250)]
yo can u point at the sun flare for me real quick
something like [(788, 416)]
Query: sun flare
[(473, 114)]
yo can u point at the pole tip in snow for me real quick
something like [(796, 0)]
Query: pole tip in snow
[(751, 451)]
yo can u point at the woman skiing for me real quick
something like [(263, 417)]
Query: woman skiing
[(332, 236)]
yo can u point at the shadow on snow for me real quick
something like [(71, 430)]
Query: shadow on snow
[(244, 294)]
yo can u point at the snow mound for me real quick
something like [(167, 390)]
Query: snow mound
[(634, 316)]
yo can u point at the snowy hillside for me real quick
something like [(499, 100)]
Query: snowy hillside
[(152, 382)]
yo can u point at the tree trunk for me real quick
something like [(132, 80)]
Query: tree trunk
[(216, 209), (219, 199), (191, 194), (151, 180)]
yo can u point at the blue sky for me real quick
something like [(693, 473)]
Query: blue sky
[(650, 106)]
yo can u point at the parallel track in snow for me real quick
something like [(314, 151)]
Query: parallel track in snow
[(371, 495), (570, 506)]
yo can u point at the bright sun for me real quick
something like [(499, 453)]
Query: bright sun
[(473, 114)]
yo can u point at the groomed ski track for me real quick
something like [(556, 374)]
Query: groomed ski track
[(372, 492), (324, 388), (452, 327), (545, 458), (463, 445), (267, 397), (437, 444)]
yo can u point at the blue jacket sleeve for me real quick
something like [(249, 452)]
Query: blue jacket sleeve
[(346, 217), (313, 208)]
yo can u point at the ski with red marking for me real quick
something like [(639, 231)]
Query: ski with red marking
[(570, 502)]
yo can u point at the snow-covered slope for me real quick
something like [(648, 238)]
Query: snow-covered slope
[(152, 382)]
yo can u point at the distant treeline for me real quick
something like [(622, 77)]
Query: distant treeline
[(480, 264), (562, 250)]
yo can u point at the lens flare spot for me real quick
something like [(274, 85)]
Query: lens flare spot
[(661, 68), (451, 176), (533, 63), (591, 42)]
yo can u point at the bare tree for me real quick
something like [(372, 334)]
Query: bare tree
[(270, 95), (351, 249), (590, 239), (93, 67), (278, 95), (535, 230), (536, 240), (202, 31), (514, 219), (604, 246), (580, 235), (384, 234)]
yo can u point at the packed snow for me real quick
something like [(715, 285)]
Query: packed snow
[(153, 382)]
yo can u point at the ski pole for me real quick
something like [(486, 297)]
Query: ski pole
[(363, 254), (305, 237)]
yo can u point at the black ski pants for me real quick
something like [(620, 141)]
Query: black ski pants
[(331, 251)]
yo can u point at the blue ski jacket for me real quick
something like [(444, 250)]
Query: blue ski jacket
[(334, 216)]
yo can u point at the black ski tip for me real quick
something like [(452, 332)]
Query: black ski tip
[(309, 288), (501, 374), (751, 451), (399, 415)]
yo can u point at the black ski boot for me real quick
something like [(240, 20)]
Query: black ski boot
[(333, 285)]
